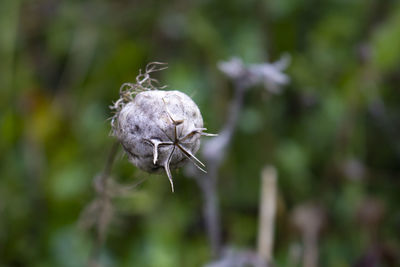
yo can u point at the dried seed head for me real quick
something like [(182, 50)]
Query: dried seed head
[(154, 123), (158, 129)]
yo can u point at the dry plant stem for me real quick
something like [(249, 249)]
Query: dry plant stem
[(310, 257), (211, 214), (208, 182), (101, 189), (309, 219), (235, 109), (267, 214)]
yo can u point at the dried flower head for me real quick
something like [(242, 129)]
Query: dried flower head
[(159, 130), (270, 75)]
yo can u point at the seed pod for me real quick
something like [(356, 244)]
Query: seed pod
[(159, 129)]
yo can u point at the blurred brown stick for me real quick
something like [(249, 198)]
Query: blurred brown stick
[(309, 219), (267, 212)]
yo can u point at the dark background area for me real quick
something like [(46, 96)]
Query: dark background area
[(333, 132)]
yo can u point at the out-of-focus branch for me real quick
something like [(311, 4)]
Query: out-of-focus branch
[(99, 213), (214, 150), (267, 214), (309, 219)]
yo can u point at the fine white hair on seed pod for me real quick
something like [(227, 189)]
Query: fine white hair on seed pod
[(159, 130)]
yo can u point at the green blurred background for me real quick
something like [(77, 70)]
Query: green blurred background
[(333, 133)]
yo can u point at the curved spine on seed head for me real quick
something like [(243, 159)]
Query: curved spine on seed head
[(177, 143), (167, 169)]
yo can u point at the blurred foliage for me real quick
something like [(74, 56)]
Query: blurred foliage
[(332, 134)]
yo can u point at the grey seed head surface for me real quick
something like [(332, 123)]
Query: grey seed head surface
[(159, 118)]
